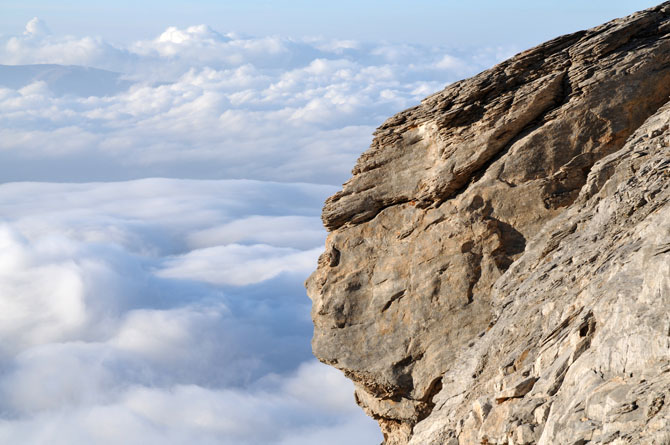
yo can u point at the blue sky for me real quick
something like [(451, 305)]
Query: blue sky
[(422, 21)]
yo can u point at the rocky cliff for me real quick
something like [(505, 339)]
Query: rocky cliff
[(498, 267)]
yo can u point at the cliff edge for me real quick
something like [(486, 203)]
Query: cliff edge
[(498, 267)]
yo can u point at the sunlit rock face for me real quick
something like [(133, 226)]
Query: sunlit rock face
[(498, 268)]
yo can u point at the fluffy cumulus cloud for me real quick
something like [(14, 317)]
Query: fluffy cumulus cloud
[(197, 103), (164, 311), (172, 311)]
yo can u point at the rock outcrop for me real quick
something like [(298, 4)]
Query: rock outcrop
[(498, 267)]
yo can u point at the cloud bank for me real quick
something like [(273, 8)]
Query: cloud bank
[(148, 312), (172, 311), (203, 104)]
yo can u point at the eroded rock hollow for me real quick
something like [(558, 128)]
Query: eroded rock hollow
[(498, 267)]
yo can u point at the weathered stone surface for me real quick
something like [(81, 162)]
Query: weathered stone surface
[(587, 316), (498, 267)]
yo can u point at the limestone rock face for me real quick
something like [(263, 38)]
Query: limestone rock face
[(498, 267)]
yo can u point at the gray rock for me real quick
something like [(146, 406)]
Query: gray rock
[(498, 267)]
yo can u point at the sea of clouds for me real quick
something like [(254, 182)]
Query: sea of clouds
[(159, 212)]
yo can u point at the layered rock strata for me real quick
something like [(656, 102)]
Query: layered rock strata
[(498, 267)]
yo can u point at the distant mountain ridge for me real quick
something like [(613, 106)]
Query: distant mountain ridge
[(64, 79)]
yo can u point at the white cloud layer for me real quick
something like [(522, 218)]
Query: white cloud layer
[(202, 104), (164, 311), (172, 311)]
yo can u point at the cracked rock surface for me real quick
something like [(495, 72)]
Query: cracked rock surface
[(498, 267)]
